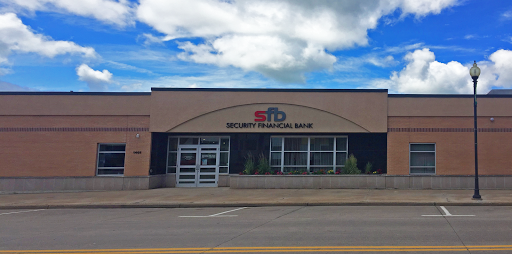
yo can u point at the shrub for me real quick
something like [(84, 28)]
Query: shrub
[(351, 166), (249, 166), (263, 165), (368, 168)]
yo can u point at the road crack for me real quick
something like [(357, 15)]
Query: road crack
[(454, 231), (263, 224)]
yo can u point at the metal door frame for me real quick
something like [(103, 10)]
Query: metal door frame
[(197, 167)]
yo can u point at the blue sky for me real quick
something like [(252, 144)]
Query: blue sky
[(406, 46)]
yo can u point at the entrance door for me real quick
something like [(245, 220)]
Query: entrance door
[(198, 166)]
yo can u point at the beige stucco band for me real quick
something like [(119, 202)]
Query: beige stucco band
[(241, 118)]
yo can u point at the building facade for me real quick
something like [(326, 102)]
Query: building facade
[(199, 137)]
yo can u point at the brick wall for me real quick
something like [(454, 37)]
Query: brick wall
[(44, 146), (454, 139)]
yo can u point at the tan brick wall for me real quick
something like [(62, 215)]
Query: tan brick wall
[(455, 150), (69, 153)]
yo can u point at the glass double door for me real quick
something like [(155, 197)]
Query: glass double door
[(198, 166)]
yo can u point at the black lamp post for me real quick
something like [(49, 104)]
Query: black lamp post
[(475, 72)]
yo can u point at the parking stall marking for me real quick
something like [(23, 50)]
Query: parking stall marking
[(22, 212), (216, 215), (447, 213)]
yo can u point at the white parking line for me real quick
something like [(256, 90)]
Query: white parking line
[(447, 213), (216, 215), (22, 211)]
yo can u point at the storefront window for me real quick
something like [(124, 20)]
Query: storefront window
[(111, 159), (307, 154)]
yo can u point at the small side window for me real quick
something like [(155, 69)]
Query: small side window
[(422, 159), (111, 159)]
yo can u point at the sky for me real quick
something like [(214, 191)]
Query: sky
[(405, 46)]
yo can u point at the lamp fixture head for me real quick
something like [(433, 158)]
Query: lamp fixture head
[(474, 71)]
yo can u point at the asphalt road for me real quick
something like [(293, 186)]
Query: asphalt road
[(320, 229)]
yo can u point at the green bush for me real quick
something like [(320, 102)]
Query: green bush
[(263, 165), (368, 168), (249, 165), (351, 166)]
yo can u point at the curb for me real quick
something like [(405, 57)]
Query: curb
[(204, 205)]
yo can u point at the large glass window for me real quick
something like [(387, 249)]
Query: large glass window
[(308, 154), (111, 159), (422, 158)]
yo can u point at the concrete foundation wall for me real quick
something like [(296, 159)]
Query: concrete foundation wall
[(99, 183), (369, 182)]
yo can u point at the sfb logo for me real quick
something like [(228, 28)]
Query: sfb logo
[(261, 116)]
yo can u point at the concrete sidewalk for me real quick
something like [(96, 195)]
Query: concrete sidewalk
[(226, 197)]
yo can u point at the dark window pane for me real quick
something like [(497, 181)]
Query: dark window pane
[(296, 158), (208, 159), (110, 171), (209, 141), (423, 159), (173, 144), (224, 144), (188, 141), (423, 170), (112, 147), (173, 157), (275, 159), (341, 144), (296, 144), (207, 170), (341, 158), (188, 159), (321, 159), (224, 158), (111, 160), (322, 144), (171, 170), (277, 144), (423, 147), (223, 170)]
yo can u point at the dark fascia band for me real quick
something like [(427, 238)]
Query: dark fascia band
[(270, 90), (79, 93), (449, 95)]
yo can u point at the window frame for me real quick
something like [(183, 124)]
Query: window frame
[(98, 159), (435, 159), (308, 165)]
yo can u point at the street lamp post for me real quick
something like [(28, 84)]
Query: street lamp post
[(475, 72)]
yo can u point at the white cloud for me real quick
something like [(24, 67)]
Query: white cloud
[(214, 78), (507, 15), (113, 12), (123, 66), (150, 39), (502, 68), (96, 80), (17, 37), (423, 74), (469, 37), (281, 40)]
